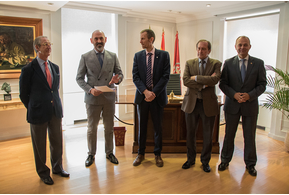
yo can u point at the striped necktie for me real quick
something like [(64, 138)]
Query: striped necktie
[(149, 72)]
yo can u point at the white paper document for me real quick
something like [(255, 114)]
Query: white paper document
[(104, 88)]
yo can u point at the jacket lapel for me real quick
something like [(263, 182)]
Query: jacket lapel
[(237, 68), (54, 74), (156, 60), (195, 68), (143, 66), (249, 67), (38, 71), (208, 67)]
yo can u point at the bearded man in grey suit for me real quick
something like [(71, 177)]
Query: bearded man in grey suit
[(243, 80), (101, 67), (200, 77)]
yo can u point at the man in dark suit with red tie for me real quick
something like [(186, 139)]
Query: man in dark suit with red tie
[(39, 85), (243, 80), (151, 72)]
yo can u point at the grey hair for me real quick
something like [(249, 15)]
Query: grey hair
[(243, 37), (37, 42)]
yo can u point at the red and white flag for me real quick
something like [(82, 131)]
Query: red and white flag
[(177, 67), (163, 41)]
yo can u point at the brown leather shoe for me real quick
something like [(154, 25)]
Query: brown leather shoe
[(159, 161), (138, 160)]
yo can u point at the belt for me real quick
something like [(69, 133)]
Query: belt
[(150, 88)]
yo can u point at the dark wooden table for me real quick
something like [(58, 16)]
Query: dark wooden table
[(174, 129)]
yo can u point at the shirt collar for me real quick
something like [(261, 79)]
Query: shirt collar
[(98, 52), (246, 58), (206, 59), (40, 61), (152, 51)]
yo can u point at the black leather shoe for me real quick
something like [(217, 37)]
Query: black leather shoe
[(206, 168), (187, 165), (112, 158), (252, 171), (89, 160), (223, 166), (62, 173), (47, 180)]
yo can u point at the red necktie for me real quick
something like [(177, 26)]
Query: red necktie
[(48, 75)]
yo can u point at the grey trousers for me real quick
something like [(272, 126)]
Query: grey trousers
[(39, 137), (93, 117)]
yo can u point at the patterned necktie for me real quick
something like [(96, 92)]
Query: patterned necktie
[(48, 75), (149, 72), (243, 70), (202, 70), (100, 59)]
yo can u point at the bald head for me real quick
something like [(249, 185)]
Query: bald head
[(98, 40)]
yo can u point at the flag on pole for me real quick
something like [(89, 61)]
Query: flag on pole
[(177, 68), (163, 41)]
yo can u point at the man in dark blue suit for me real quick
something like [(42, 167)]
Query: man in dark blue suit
[(151, 72), (243, 80), (39, 92)]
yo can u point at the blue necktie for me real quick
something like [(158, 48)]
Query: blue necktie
[(243, 70), (100, 59), (149, 72)]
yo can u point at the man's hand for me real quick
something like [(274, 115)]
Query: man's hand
[(95, 92), (245, 97), (214, 74), (193, 78), (241, 97), (114, 79), (149, 95)]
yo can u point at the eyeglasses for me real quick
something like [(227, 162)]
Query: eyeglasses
[(46, 44)]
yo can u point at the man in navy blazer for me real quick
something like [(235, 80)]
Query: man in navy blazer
[(44, 110), (242, 91), (151, 94)]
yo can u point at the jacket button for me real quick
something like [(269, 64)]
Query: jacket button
[(51, 102), (51, 91)]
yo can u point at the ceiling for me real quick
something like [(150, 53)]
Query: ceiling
[(171, 11)]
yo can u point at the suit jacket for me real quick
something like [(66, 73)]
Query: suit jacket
[(254, 85), (161, 75), (36, 94), (96, 76), (210, 100)]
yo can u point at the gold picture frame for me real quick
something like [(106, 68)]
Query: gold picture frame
[(21, 32)]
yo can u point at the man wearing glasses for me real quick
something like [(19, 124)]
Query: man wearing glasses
[(39, 85)]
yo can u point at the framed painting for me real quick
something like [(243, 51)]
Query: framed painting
[(16, 44)]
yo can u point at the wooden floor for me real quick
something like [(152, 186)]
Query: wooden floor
[(18, 175)]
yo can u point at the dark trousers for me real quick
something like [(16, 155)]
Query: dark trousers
[(192, 123), (39, 136), (249, 133), (156, 111)]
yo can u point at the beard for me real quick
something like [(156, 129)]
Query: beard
[(99, 46)]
